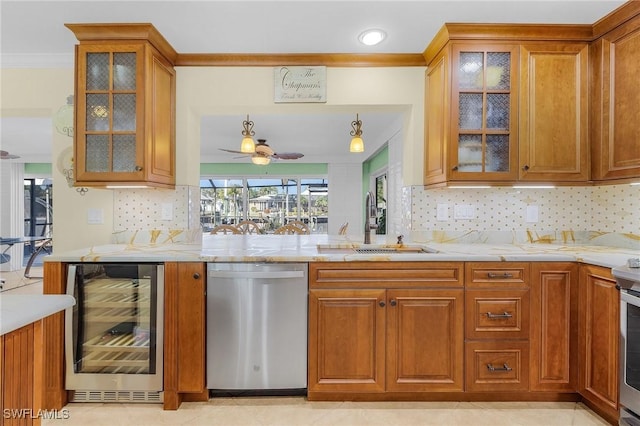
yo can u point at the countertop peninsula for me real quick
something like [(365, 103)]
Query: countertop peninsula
[(332, 248), (18, 310)]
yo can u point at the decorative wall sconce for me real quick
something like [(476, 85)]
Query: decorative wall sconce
[(248, 145), (63, 119), (357, 144)]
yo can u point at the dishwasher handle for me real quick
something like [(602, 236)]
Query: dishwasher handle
[(256, 274)]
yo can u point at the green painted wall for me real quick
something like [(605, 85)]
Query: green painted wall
[(37, 168), (378, 161), (274, 169)]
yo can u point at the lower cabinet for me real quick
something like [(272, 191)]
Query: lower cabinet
[(184, 333), (554, 325), (598, 336), (385, 339)]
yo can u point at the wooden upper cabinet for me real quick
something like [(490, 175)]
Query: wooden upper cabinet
[(125, 106), (553, 124), (507, 104), (483, 112), (615, 135)]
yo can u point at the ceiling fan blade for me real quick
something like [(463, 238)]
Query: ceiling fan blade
[(234, 152), (4, 155), (287, 155)]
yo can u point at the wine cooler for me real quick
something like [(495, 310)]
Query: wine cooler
[(113, 336)]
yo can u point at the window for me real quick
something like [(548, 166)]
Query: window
[(269, 202)]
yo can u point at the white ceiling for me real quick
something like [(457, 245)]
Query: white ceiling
[(32, 34)]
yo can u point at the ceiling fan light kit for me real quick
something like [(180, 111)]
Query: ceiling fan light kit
[(247, 146), (263, 153), (260, 159), (357, 144), (4, 155)]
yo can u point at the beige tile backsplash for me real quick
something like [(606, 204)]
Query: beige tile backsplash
[(565, 214)]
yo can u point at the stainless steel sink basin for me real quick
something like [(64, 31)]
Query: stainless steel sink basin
[(376, 249)]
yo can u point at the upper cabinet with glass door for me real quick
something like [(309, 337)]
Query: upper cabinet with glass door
[(125, 108), (483, 108), (507, 104)]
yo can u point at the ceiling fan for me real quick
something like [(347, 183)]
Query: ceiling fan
[(264, 153), (4, 155)]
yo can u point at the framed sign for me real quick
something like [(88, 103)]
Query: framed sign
[(299, 84)]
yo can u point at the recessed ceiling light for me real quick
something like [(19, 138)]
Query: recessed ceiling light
[(372, 37)]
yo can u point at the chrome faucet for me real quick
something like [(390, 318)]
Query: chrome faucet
[(370, 212)]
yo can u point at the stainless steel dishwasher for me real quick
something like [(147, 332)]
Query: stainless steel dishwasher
[(257, 327)]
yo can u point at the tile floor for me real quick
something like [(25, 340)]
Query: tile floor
[(297, 411)]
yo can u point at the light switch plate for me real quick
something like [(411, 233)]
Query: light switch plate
[(464, 211), (95, 216)]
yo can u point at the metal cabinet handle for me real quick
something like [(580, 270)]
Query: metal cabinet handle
[(196, 276), (138, 168), (381, 304), (503, 275), (454, 168), (499, 316), (525, 168), (504, 367), (393, 302)]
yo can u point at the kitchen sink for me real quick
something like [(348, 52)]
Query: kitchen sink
[(376, 249)]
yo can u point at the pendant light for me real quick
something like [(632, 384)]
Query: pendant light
[(247, 145), (357, 144)]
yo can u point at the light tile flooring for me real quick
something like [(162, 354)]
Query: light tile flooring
[(297, 411)]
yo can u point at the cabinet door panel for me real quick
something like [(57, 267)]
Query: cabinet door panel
[(437, 120), (553, 124), (346, 340), (616, 96), (554, 323), (598, 337), (425, 340)]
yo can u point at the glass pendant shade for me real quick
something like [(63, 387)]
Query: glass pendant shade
[(357, 144), (247, 145), (260, 160)]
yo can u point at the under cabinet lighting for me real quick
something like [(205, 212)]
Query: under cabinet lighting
[(127, 187), (634, 183), (533, 186), (469, 186)]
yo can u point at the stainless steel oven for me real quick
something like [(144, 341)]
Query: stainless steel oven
[(628, 279)]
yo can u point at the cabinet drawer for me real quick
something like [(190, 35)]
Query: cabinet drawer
[(497, 314), (385, 274), (497, 274), (497, 366)]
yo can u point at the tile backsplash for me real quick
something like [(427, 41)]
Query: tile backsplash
[(157, 216), (551, 215)]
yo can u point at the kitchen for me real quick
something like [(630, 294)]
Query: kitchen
[(199, 85)]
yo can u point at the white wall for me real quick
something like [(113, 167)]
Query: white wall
[(345, 198)]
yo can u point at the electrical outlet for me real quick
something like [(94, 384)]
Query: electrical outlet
[(167, 211), (95, 216), (442, 212), (532, 214)]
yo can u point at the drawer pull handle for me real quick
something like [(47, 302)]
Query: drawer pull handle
[(504, 275), (499, 316), (504, 367)]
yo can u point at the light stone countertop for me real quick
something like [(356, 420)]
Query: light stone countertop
[(18, 310), (305, 248)]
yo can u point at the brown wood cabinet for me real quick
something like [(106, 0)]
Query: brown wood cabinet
[(21, 375), (554, 325), (509, 104), (598, 340), (615, 98), (376, 327), (497, 326), (553, 124), (184, 333), (125, 106)]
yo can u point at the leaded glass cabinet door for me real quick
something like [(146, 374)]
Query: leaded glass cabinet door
[(484, 113), (110, 100)]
